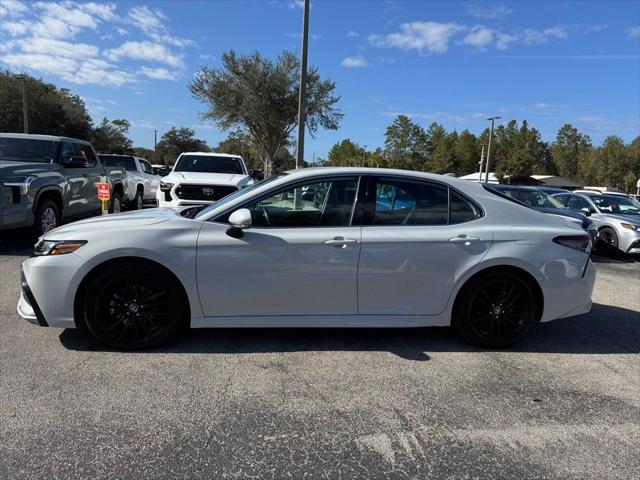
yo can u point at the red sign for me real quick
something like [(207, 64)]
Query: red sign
[(103, 191)]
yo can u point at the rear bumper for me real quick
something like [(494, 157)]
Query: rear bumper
[(568, 297)]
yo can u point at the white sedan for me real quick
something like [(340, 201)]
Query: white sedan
[(320, 247)]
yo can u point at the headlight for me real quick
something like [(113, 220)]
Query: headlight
[(57, 247), (22, 182), (166, 186), (631, 226)]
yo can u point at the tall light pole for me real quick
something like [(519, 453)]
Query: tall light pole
[(25, 115), (155, 139), (364, 155), (486, 171), (302, 94), (481, 162)]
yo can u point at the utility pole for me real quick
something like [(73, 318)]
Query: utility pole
[(486, 176), (155, 139), (302, 97), (481, 163), (25, 115)]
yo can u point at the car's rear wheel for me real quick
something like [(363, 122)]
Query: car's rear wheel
[(47, 217), (138, 202), (609, 238), (130, 307), (495, 310)]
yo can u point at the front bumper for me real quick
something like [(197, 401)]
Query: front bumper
[(16, 215), (628, 240), (28, 308), (174, 197)]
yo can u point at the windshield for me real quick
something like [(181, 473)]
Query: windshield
[(616, 204), (531, 198), (128, 163), (238, 194), (209, 164), (27, 150)]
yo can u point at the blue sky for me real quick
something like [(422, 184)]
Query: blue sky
[(451, 62)]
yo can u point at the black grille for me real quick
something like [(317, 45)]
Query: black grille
[(203, 192)]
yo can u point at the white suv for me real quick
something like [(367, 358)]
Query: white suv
[(201, 178)]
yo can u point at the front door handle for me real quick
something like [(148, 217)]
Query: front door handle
[(341, 242), (467, 240)]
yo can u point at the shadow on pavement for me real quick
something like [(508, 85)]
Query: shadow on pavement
[(606, 329)]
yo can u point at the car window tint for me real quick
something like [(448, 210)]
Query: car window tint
[(68, 151), (461, 209), (562, 199), (87, 152), (317, 204), (577, 203), (400, 202)]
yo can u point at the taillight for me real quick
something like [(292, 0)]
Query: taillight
[(577, 242)]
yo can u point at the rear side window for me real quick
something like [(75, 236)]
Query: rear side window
[(461, 210), (399, 202), (87, 152)]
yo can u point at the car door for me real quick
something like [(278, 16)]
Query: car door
[(299, 258), (418, 237), (74, 190), (93, 174)]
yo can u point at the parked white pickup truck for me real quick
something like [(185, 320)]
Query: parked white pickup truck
[(142, 184), (201, 178)]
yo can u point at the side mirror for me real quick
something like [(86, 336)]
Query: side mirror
[(586, 211), (75, 162), (238, 221)]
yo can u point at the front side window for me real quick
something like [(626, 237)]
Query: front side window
[(86, 151), (209, 164), (327, 203), (577, 203), (616, 205), (400, 202)]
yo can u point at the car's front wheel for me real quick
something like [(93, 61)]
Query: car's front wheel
[(609, 238), (47, 217), (129, 307), (495, 310)]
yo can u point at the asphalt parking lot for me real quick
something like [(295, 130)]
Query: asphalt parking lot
[(327, 404)]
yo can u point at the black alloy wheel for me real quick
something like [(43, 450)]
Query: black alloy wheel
[(131, 307), (495, 310), (609, 238)]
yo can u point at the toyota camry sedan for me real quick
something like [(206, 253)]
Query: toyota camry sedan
[(319, 247)]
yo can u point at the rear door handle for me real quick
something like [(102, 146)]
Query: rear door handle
[(341, 242), (464, 239)]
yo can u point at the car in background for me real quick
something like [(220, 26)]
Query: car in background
[(451, 253), (616, 217), (47, 180), (162, 170), (201, 178), (142, 183), (552, 190), (541, 201)]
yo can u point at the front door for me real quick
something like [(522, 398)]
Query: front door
[(417, 239), (299, 258)]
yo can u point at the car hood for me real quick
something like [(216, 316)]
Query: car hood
[(26, 168), (202, 178), (109, 223)]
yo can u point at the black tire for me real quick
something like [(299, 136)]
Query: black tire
[(495, 310), (133, 306), (608, 239), (47, 217), (115, 205), (138, 201)]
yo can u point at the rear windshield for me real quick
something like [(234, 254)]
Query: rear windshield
[(27, 150), (128, 163), (531, 198), (209, 164)]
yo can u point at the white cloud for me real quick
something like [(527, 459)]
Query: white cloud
[(157, 73), (479, 37), (432, 36), (60, 48), (354, 62), (431, 117), (542, 105), (146, 51), (488, 11), (352, 34), (634, 32), (152, 23), (504, 39), (15, 29), (122, 31), (12, 8), (295, 4), (531, 36)]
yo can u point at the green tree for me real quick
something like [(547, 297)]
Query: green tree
[(176, 141), (260, 95), (406, 144), (345, 154), (441, 149), (51, 110), (569, 147), (146, 153), (467, 153), (111, 137), (518, 150), (612, 162), (239, 143)]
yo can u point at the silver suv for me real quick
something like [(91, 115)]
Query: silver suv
[(617, 217)]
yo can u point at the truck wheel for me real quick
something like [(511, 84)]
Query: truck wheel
[(138, 202), (116, 203), (47, 217)]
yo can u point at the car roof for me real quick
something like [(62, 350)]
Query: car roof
[(523, 188), (52, 138), (211, 154)]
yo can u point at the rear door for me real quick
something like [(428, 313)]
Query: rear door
[(92, 174), (418, 238)]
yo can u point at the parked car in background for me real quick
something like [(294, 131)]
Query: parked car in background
[(552, 190), (47, 180), (162, 170), (541, 201), (201, 178), (142, 183), (451, 253), (616, 217)]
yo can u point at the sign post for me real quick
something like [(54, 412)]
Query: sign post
[(104, 196)]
